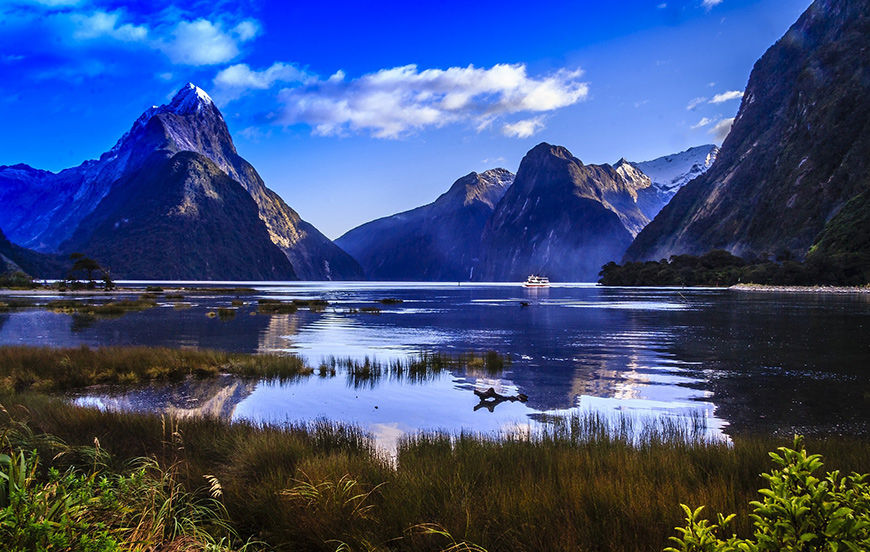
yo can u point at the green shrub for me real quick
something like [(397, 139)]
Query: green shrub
[(798, 512)]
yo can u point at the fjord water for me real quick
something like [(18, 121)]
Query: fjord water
[(739, 361)]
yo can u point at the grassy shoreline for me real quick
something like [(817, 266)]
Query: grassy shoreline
[(49, 369), (586, 483), (581, 487)]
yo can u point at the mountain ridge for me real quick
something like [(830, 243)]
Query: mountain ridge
[(796, 153), (45, 209), (437, 241)]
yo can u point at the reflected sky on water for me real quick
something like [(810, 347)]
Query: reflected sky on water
[(743, 361)]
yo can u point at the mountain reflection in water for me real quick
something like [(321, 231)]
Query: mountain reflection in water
[(741, 361)]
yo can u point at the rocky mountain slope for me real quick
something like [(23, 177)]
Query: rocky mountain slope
[(14, 258), (438, 241), (135, 230), (51, 212), (560, 218), (669, 173), (797, 153)]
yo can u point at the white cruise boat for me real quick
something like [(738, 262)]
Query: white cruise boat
[(537, 281)]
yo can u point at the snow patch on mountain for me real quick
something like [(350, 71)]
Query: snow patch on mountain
[(672, 172)]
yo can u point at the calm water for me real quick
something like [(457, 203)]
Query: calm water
[(742, 361)]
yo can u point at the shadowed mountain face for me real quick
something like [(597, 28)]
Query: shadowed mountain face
[(797, 153), (16, 258), (45, 210), (438, 241), (560, 218), (186, 196)]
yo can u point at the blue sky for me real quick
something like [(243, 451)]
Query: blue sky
[(352, 111)]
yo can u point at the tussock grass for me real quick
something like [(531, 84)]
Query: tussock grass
[(583, 485), (49, 369), (217, 291), (424, 367), (276, 306), (71, 306)]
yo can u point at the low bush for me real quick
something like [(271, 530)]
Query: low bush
[(798, 511)]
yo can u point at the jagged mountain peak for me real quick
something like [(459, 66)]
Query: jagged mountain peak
[(486, 187), (669, 173), (190, 99), (196, 106), (544, 150)]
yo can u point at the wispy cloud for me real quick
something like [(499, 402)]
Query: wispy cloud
[(393, 102), (709, 4), (203, 42), (73, 31), (722, 128), (703, 122), (233, 81), (726, 96), (693, 103), (101, 24), (523, 128)]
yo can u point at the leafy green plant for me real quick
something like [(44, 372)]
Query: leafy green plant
[(798, 512)]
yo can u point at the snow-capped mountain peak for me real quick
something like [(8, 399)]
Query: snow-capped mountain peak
[(189, 99), (671, 172)]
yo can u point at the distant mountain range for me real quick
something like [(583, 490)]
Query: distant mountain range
[(172, 199), (794, 172), (436, 242), (557, 217)]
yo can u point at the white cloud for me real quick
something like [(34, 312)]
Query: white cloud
[(720, 131), (247, 29), (727, 96), (55, 3), (240, 76), (695, 103), (709, 4), (100, 24), (392, 102), (703, 122), (200, 42), (523, 128)]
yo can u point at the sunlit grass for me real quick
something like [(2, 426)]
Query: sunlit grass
[(50, 369), (588, 483)]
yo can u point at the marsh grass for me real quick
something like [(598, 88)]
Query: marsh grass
[(216, 291), (367, 372), (49, 369), (111, 308), (582, 485)]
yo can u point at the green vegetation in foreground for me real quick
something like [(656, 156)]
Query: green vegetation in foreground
[(583, 485), (798, 511), (49, 369), (77, 503), (720, 268)]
